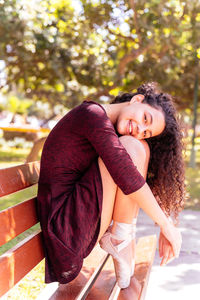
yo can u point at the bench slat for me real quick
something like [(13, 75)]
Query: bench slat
[(105, 287), (17, 219), (17, 178), (104, 284), (73, 290), (85, 291), (18, 261), (145, 254)]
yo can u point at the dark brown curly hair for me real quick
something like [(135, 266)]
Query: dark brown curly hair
[(166, 166)]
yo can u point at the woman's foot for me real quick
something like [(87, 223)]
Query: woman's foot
[(121, 252)]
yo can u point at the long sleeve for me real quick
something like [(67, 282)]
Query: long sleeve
[(100, 132)]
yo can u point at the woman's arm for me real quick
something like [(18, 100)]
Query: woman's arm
[(146, 200), (101, 134)]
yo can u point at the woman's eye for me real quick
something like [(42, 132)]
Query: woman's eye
[(145, 133), (145, 118)]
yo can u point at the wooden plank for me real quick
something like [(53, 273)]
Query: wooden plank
[(18, 261), (73, 290), (17, 219), (86, 289), (104, 284), (106, 287), (132, 292), (19, 177), (145, 252)]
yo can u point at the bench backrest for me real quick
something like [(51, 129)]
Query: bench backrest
[(19, 260)]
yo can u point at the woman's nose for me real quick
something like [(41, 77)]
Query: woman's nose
[(141, 128)]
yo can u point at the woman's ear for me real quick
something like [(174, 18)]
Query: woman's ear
[(137, 98)]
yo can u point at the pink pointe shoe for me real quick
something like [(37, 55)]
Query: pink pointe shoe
[(123, 270)]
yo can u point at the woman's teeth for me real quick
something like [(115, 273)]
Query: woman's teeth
[(130, 128)]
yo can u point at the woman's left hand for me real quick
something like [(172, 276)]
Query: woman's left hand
[(165, 250)]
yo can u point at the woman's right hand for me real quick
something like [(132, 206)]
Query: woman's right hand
[(173, 235)]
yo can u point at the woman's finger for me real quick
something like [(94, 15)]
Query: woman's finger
[(166, 254), (171, 256), (160, 246), (177, 246)]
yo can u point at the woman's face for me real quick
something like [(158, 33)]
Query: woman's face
[(140, 119)]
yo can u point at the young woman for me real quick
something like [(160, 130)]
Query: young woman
[(93, 170)]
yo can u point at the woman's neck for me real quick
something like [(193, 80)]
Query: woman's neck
[(113, 110)]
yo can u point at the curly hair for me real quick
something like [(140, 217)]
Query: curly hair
[(166, 166)]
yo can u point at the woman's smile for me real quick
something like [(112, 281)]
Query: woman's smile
[(131, 128)]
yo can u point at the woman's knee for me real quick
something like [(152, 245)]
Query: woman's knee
[(139, 152)]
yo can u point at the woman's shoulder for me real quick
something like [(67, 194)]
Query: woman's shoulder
[(145, 145), (93, 106)]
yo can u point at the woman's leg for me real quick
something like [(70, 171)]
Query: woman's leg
[(124, 208), (117, 205), (121, 209)]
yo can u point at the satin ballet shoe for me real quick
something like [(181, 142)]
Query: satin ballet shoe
[(122, 268), (133, 267)]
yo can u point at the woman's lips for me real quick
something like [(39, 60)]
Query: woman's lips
[(129, 128)]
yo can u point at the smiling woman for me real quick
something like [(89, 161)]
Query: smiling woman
[(152, 113), (93, 170)]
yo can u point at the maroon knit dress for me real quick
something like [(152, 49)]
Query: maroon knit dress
[(70, 188)]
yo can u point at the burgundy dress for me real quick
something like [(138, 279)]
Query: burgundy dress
[(70, 188)]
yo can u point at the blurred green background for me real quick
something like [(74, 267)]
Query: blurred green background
[(56, 53)]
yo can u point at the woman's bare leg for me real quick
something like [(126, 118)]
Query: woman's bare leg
[(116, 205), (124, 208), (109, 194)]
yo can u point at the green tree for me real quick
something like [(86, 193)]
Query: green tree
[(60, 55), (57, 54)]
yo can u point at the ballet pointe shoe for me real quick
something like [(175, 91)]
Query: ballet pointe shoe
[(133, 267), (122, 268), (125, 233)]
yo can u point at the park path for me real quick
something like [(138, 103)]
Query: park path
[(179, 280)]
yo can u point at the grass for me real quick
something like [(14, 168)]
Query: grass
[(17, 197), (30, 287), (193, 188), (193, 177), (12, 155)]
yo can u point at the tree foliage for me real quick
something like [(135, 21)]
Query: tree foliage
[(60, 54)]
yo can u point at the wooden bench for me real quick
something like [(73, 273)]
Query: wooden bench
[(96, 279)]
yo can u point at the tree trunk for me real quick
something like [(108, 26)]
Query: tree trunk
[(192, 163)]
